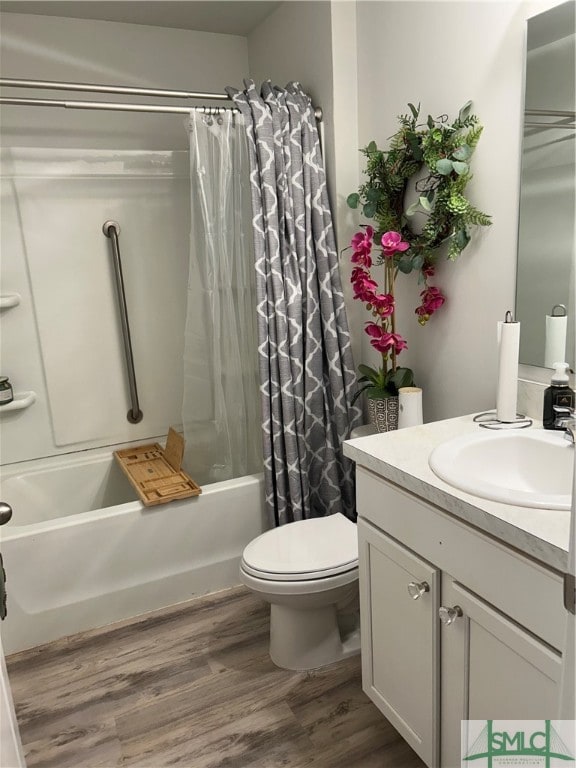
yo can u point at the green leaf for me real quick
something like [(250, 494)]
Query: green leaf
[(402, 377), (462, 238), (415, 147), (411, 210), (377, 393), (368, 373), (405, 264), (372, 147), (459, 167), (425, 203), (373, 194), (369, 210), (462, 153), (353, 200), (431, 194), (444, 166), (465, 111), (415, 112), (417, 261), (430, 122)]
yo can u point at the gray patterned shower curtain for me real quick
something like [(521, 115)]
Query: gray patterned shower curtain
[(306, 367)]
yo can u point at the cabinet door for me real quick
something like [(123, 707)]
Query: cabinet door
[(491, 669), (400, 655)]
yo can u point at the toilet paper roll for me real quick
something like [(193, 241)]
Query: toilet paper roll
[(410, 407), (507, 390), (555, 346)]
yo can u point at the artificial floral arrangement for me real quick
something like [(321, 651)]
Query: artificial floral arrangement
[(435, 158)]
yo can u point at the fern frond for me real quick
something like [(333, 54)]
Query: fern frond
[(476, 217), (473, 136)]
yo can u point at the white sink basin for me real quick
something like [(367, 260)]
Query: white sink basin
[(532, 468)]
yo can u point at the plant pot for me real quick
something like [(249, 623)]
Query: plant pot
[(383, 413)]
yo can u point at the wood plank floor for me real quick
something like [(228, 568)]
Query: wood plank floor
[(193, 686)]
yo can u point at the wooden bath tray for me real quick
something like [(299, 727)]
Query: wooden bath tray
[(155, 472)]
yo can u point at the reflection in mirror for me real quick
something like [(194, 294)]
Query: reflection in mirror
[(546, 254)]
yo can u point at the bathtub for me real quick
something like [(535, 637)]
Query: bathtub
[(81, 551)]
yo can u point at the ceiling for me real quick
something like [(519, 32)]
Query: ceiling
[(234, 17)]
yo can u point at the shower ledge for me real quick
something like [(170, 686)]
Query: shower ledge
[(21, 400)]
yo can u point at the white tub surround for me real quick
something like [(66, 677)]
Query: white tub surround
[(461, 598), (81, 551)]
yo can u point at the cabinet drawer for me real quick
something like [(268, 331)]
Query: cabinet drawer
[(521, 588), (400, 652)]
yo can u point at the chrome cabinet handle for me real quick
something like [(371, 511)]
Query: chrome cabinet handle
[(449, 615), (5, 512), (416, 590)]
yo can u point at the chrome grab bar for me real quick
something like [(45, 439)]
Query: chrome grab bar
[(112, 229)]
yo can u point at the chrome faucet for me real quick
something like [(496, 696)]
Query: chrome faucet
[(566, 419)]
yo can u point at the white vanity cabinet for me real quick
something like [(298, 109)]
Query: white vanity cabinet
[(402, 626), (491, 669), (455, 625)]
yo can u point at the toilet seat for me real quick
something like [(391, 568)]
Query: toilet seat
[(307, 550)]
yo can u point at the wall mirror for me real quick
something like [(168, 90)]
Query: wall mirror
[(546, 254)]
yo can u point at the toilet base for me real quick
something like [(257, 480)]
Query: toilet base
[(310, 638)]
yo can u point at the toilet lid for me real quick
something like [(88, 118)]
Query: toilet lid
[(307, 549)]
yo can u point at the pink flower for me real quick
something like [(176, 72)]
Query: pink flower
[(392, 243), (363, 285), (374, 330), (362, 246), (432, 299), (358, 257), (383, 303), (389, 341), (383, 341), (358, 273), (399, 342)]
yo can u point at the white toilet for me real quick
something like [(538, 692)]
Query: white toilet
[(308, 572)]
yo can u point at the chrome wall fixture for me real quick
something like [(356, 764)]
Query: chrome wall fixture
[(112, 229)]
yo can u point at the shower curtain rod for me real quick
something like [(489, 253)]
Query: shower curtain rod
[(120, 89), (55, 85), (113, 106)]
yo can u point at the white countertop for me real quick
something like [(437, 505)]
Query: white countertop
[(402, 458)]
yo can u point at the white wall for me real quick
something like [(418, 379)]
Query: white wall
[(295, 43), (57, 194), (52, 48), (314, 42), (442, 54)]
